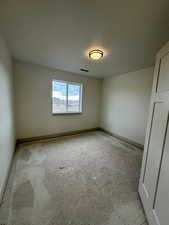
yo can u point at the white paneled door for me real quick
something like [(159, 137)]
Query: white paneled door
[(154, 179)]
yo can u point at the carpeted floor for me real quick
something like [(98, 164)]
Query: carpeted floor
[(87, 179)]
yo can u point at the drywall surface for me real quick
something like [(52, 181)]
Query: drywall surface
[(7, 134), (125, 104), (33, 102)]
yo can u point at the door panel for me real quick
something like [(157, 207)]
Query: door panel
[(161, 205), (155, 143), (154, 179)]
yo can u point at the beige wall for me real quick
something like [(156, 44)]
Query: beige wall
[(33, 102), (125, 104), (124, 109), (7, 135)]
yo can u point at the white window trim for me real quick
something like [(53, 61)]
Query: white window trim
[(81, 97)]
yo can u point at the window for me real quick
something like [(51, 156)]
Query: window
[(66, 97)]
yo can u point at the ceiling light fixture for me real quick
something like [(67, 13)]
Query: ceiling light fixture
[(96, 54)]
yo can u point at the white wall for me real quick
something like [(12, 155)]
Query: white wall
[(125, 104), (7, 135), (33, 102)]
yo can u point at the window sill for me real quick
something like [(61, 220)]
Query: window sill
[(67, 113)]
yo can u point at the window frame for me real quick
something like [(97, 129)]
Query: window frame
[(81, 97)]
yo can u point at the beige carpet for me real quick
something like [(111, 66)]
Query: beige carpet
[(87, 179)]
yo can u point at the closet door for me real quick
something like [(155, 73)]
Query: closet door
[(154, 179)]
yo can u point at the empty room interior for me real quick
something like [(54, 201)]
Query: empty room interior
[(84, 112)]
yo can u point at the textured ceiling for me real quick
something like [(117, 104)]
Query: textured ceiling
[(60, 33)]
